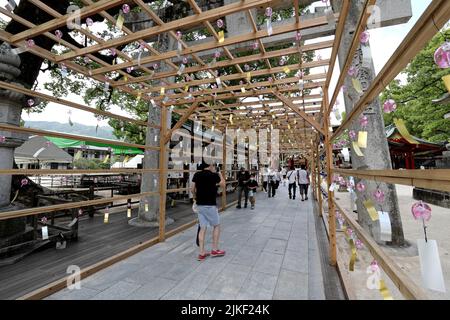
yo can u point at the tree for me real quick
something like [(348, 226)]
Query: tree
[(414, 97)]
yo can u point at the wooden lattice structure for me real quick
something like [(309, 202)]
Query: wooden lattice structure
[(301, 116)]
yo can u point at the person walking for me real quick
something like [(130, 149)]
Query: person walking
[(292, 180), (265, 178), (271, 183), (252, 187), (283, 174), (204, 190), (243, 179), (303, 182)]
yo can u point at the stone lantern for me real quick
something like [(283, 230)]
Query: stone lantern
[(11, 104)]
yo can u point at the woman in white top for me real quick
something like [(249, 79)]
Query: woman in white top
[(265, 178), (303, 182)]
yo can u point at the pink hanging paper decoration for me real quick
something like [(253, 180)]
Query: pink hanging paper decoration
[(421, 210), (30, 102), (364, 121), (269, 12), (442, 56), (2, 139), (379, 195), (30, 43), (246, 67), (217, 54), (352, 71), (360, 187), (125, 8), (358, 244), (352, 134), (220, 23), (58, 34), (155, 66), (389, 106), (23, 182), (185, 60), (89, 22), (129, 69), (255, 45), (364, 37), (298, 36), (113, 52)]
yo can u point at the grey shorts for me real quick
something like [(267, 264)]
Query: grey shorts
[(208, 215)]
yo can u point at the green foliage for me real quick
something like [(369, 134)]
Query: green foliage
[(90, 164), (414, 99)]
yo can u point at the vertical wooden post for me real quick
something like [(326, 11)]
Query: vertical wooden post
[(224, 171), (162, 175), (319, 180), (328, 152), (313, 175)]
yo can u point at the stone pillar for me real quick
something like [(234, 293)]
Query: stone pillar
[(150, 181), (11, 104), (376, 155)]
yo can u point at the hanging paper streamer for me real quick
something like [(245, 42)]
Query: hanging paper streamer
[(129, 209), (357, 85), (78, 155), (430, 265), (442, 56), (242, 88), (401, 127), (446, 80), (384, 291), (179, 45), (126, 159), (221, 35), (119, 22), (146, 205), (269, 21), (44, 233), (286, 70), (231, 118), (385, 226), (249, 76), (106, 216), (106, 159), (106, 87), (181, 69), (351, 264), (219, 82), (162, 91), (362, 139), (370, 206), (357, 149)]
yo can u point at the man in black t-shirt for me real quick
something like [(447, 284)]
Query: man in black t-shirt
[(243, 179), (204, 189)]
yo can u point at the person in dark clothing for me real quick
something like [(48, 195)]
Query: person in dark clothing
[(252, 187), (243, 179), (204, 189)]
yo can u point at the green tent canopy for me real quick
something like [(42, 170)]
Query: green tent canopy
[(70, 143)]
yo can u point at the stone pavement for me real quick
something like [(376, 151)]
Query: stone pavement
[(271, 253)]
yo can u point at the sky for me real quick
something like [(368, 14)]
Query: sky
[(383, 41)]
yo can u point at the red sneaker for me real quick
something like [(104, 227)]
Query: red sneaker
[(202, 257), (217, 253)]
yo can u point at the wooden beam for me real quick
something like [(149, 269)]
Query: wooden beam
[(422, 32), (180, 122), (178, 24), (301, 113), (227, 63), (314, 22), (7, 127), (401, 280), (162, 175)]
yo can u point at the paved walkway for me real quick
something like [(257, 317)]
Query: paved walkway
[(272, 253)]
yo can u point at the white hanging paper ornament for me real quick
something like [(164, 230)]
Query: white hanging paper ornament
[(179, 46), (63, 70), (367, 56), (11, 5), (268, 14)]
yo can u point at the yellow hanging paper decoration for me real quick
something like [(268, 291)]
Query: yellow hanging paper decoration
[(129, 213), (125, 78), (221, 36), (249, 76), (446, 80), (401, 127), (163, 90), (127, 158), (106, 217), (106, 159), (357, 85), (231, 118), (139, 95), (357, 149), (146, 207), (186, 88), (78, 155), (370, 206), (385, 291), (351, 264), (120, 21), (286, 70), (362, 139)]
